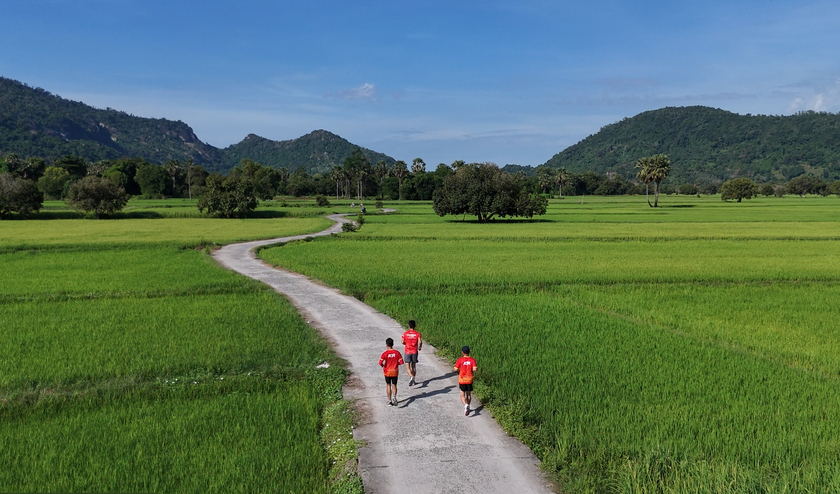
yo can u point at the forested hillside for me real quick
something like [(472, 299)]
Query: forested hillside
[(317, 152), (34, 122), (710, 145)]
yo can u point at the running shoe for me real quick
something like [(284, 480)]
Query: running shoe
[(466, 410), (411, 381)]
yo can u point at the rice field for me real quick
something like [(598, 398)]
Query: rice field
[(132, 362), (691, 349)]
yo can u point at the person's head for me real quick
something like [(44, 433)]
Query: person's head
[(389, 342), (412, 324), (465, 350)]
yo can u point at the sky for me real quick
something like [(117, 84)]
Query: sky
[(510, 82)]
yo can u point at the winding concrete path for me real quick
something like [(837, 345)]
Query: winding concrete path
[(425, 444)]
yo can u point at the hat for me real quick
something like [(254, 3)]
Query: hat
[(465, 349)]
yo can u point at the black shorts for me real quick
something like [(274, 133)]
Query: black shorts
[(391, 380), (465, 387), (411, 358)]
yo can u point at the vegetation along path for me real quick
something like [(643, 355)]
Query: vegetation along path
[(425, 444)]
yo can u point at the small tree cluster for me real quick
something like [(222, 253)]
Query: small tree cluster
[(96, 195), (485, 191), (18, 195), (228, 197)]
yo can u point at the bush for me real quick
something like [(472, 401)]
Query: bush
[(96, 195), (322, 201), (18, 195), (348, 227), (378, 204)]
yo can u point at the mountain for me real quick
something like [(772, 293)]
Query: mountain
[(34, 122), (317, 152), (710, 145)]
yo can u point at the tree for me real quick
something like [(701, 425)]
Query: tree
[(228, 197), (545, 178), (152, 180), (75, 166), (418, 166), (803, 185), (18, 195), (356, 167), (53, 182), (660, 168), (653, 169), (173, 169), (98, 195), (483, 190), (738, 188), (560, 179), (381, 172), (400, 170), (688, 189), (643, 165)]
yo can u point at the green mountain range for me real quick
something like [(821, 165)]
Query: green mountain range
[(34, 122), (704, 144), (317, 151), (710, 145)]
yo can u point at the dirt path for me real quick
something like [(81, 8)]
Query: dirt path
[(425, 444)]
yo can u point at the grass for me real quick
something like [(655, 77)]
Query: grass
[(133, 362), (686, 349)]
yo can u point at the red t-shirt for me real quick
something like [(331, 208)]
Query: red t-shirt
[(466, 366), (410, 339), (391, 360)]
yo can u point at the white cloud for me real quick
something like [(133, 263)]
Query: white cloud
[(365, 91)]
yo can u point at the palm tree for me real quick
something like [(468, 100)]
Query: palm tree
[(173, 168), (560, 180), (545, 176), (400, 170), (418, 166), (644, 166), (381, 171), (660, 168)]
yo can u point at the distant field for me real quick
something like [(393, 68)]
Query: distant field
[(132, 362), (686, 349)]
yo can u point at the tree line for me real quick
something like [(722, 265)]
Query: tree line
[(105, 186)]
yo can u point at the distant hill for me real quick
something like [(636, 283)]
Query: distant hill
[(34, 122), (317, 152), (710, 145)]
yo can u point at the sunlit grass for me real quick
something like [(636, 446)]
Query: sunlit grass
[(686, 349)]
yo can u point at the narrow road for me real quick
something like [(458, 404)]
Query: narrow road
[(425, 444)]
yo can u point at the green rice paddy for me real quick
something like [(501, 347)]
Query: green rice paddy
[(687, 349), (132, 362)]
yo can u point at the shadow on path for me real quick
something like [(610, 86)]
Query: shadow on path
[(425, 383), (410, 399)]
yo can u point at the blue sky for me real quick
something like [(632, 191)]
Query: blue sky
[(507, 82)]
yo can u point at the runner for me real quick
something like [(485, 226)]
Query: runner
[(465, 367), (413, 344), (390, 361)]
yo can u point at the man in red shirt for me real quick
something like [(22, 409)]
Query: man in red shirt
[(390, 361), (413, 344), (465, 367)]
